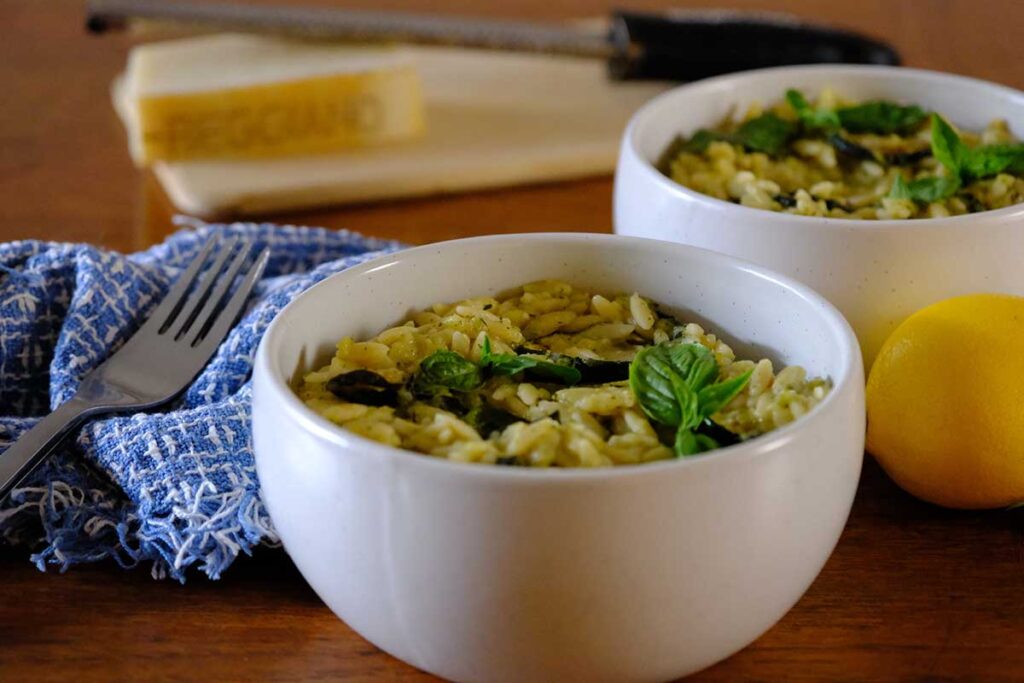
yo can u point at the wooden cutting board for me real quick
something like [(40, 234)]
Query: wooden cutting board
[(493, 119)]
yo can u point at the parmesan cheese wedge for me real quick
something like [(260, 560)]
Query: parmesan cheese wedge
[(250, 97)]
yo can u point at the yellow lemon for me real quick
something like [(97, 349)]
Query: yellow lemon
[(945, 402)]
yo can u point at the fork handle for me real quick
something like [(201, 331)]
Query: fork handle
[(33, 446)]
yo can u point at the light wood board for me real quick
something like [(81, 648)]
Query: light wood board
[(493, 119)]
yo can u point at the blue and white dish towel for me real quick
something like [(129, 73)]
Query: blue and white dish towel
[(175, 489)]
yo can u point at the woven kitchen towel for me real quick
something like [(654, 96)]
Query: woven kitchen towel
[(175, 488)]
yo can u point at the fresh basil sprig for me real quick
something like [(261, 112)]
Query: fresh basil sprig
[(510, 364), (973, 163), (812, 118), (963, 164), (714, 397), (672, 381), (947, 147), (990, 160)]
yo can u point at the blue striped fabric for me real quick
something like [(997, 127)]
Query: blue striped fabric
[(174, 489)]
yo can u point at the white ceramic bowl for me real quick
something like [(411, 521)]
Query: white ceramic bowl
[(875, 272), (486, 573)]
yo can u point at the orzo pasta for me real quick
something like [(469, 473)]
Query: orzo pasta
[(843, 159), (553, 375)]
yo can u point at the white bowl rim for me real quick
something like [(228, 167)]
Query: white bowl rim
[(639, 119), (324, 429)]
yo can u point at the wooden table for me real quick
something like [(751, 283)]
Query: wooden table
[(912, 591)]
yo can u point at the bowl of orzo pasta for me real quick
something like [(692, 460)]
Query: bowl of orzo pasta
[(559, 457), (886, 189)]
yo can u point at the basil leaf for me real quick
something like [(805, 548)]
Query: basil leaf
[(950, 151), (672, 384), (812, 118), (767, 133), (686, 443), (706, 442), (973, 163), (930, 189), (717, 396), (990, 160), (899, 189), (651, 377), (689, 404), (666, 378), (510, 364), (485, 351), (445, 369), (695, 363), (507, 364), (947, 146), (879, 116)]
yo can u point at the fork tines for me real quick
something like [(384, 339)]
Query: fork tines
[(208, 294)]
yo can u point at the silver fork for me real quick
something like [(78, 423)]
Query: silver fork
[(158, 362)]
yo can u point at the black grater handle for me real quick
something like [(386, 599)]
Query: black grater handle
[(690, 46)]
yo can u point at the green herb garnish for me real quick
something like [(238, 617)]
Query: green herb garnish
[(714, 397), (880, 117), (511, 364), (990, 160), (812, 118), (963, 165), (672, 381), (973, 163), (444, 371), (767, 133), (929, 189), (689, 442), (947, 147)]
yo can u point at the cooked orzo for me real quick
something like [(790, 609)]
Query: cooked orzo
[(842, 159), (550, 375)]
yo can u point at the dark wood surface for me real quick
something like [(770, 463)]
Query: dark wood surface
[(912, 592)]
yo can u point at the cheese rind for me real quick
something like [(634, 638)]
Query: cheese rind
[(223, 97)]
